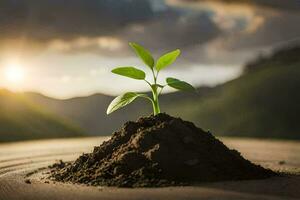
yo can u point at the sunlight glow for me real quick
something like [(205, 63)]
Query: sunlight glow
[(14, 72)]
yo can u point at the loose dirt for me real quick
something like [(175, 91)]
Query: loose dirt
[(158, 151)]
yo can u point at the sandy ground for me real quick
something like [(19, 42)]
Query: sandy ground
[(19, 159)]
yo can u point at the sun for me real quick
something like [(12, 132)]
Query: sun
[(14, 72)]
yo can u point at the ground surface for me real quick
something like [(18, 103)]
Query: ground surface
[(19, 159)]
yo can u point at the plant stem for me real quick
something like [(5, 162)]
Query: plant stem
[(155, 103)]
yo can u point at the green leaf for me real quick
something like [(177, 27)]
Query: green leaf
[(167, 59), (130, 72), (144, 54), (179, 85), (122, 100)]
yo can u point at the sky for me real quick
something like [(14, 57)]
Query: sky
[(67, 48)]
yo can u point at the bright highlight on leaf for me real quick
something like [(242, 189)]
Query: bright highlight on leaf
[(144, 54), (130, 72), (121, 101), (156, 88), (178, 84), (167, 59)]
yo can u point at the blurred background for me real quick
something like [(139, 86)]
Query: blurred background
[(56, 56)]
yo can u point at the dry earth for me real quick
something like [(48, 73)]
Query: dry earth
[(19, 159)]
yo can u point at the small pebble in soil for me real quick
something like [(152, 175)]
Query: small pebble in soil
[(282, 162), (27, 181)]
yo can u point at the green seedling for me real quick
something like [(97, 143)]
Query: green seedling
[(156, 88)]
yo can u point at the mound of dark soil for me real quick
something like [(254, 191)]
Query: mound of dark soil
[(158, 151)]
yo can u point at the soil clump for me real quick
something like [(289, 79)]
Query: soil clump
[(158, 151)]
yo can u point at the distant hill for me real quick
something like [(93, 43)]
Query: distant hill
[(90, 112), (21, 119), (279, 58), (263, 102)]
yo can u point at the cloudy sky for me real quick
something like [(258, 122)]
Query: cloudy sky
[(65, 48)]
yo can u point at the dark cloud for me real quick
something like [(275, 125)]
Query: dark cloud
[(276, 4), (277, 29), (215, 33), (248, 28), (77, 25), (293, 5), (67, 19), (173, 29)]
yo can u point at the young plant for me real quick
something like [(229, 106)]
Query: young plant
[(156, 88)]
